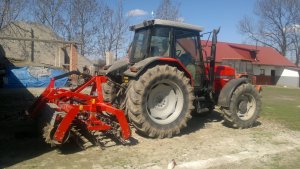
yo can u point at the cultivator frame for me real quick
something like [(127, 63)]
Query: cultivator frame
[(74, 107)]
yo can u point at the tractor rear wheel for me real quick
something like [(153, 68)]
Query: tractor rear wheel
[(159, 102), (244, 108)]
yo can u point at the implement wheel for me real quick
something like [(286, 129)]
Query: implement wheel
[(245, 106), (159, 102)]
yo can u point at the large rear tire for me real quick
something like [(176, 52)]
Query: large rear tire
[(108, 90), (159, 102), (244, 108)]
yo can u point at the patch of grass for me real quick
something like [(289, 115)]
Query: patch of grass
[(283, 105)]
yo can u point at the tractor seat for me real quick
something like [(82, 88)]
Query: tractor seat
[(185, 59), (154, 51)]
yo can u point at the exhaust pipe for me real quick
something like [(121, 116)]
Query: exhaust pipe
[(213, 58)]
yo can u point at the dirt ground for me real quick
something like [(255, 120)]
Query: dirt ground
[(206, 143)]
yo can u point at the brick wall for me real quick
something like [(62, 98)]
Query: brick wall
[(73, 61), (73, 57)]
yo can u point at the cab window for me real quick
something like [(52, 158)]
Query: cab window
[(160, 42)]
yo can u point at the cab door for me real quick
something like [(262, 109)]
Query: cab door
[(187, 52)]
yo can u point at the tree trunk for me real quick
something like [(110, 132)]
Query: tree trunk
[(297, 57)]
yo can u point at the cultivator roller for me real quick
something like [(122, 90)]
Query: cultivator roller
[(73, 113)]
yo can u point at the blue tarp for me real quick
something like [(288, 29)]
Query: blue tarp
[(19, 77)]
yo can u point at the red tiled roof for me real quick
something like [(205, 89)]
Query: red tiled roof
[(265, 55)]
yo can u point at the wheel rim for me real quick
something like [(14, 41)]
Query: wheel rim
[(246, 107), (164, 102)]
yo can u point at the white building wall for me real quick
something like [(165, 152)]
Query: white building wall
[(289, 78), (283, 76), (257, 70)]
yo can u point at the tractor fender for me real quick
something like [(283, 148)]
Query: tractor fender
[(140, 67), (228, 89), (115, 69)]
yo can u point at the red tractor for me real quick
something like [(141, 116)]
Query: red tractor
[(164, 81)]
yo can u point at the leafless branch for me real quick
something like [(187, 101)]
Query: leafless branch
[(168, 10), (10, 10), (276, 25)]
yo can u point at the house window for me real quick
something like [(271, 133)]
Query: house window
[(262, 71)]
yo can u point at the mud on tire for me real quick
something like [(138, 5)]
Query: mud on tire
[(159, 102), (244, 108), (108, 91)]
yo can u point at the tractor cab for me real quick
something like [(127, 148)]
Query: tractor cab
[(169, 39)]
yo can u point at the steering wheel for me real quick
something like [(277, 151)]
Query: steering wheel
[(178, 52)]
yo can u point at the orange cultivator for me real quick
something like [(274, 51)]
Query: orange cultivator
[(75, 110)]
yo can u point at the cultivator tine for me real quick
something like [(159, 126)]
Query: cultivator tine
[(81, 139), (121, 118)]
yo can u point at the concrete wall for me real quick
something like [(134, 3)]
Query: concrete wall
[(83, 61), (45, 54), (22, 51)]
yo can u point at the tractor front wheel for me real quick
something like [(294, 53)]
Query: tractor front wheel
[(159, 102), (244, 108)]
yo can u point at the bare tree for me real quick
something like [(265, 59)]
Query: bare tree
[(112, 29), (122, 28), (276, 21), (72, 19), (85, 14), (168, 10), (296, 49), (105, 18), (10, 10), (295, 30), (68, 20), (49, 12), (100, 29), (295, 43)]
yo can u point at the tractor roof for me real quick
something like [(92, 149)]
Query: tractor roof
[(166, 23)]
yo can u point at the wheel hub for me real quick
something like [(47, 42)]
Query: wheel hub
[(243, 107), (246, 107), (164, 102), (161, 101)]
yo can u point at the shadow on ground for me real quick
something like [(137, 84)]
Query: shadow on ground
[(198, 122), (19, 142), (18, 139)]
